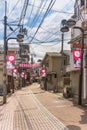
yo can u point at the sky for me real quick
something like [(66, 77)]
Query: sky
[(42, 20)]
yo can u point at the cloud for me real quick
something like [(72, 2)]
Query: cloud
[(50, 28)]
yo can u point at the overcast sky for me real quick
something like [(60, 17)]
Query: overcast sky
[(43, 28)]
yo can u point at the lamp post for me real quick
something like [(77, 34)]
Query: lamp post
[(65, 28), (62, 43), (19, 38)]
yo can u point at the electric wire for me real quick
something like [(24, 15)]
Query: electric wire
[(34, 37), (56, 32), (31, 12), (48, 9), (23, 12), (13, 8), (58, 11), (37, 16), (57, 25)]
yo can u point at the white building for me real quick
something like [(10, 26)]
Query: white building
[(80, 15)]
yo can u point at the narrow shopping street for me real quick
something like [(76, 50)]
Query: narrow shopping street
[(24, 112), (32, 108)]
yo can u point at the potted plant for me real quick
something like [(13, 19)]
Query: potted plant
[(67, 92)]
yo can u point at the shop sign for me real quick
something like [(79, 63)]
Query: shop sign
[(77, 45)]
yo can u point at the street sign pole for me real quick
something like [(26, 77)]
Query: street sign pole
[(5, 53)]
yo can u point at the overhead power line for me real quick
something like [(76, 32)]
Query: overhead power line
[(37, 15), (55, 33), (23, 13), (48, 9), (54, 10), (13, 8)]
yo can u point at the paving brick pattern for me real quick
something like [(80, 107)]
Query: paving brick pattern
[(23, 111)]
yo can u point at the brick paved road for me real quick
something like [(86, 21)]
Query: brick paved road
[(23, 111), (73, 116)]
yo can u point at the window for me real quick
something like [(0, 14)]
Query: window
[(55, 75), (64, 62), (82, 2)]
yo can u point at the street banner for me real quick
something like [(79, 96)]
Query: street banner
[(77, 57), (15, 72), (29, 65), (23, 74), (43, 72), (10, 61)]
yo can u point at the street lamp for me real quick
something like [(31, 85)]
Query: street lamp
[(65, 27), (20, 39)]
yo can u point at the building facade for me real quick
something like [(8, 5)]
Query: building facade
[(56, 70), (80, 15)]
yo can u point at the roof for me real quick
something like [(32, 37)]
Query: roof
[(52, 54), (67, 52), (56, 54)]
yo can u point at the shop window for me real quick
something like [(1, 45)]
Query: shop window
[(47, 64), (64, 62), (55, 75)]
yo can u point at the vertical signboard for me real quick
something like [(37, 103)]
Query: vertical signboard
[(77, 57), (43, 72), (11, 61)]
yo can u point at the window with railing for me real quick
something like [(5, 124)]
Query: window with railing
[(82, 2), (77, 12)]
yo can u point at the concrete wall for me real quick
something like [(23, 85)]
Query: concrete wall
[(55, 64), (52, 82), (74, 75)]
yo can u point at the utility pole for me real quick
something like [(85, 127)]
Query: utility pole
[(62, 42), (5, 53)]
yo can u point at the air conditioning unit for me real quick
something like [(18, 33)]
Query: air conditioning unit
[(84, 25)]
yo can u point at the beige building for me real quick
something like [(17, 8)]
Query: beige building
[(56, 70)]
